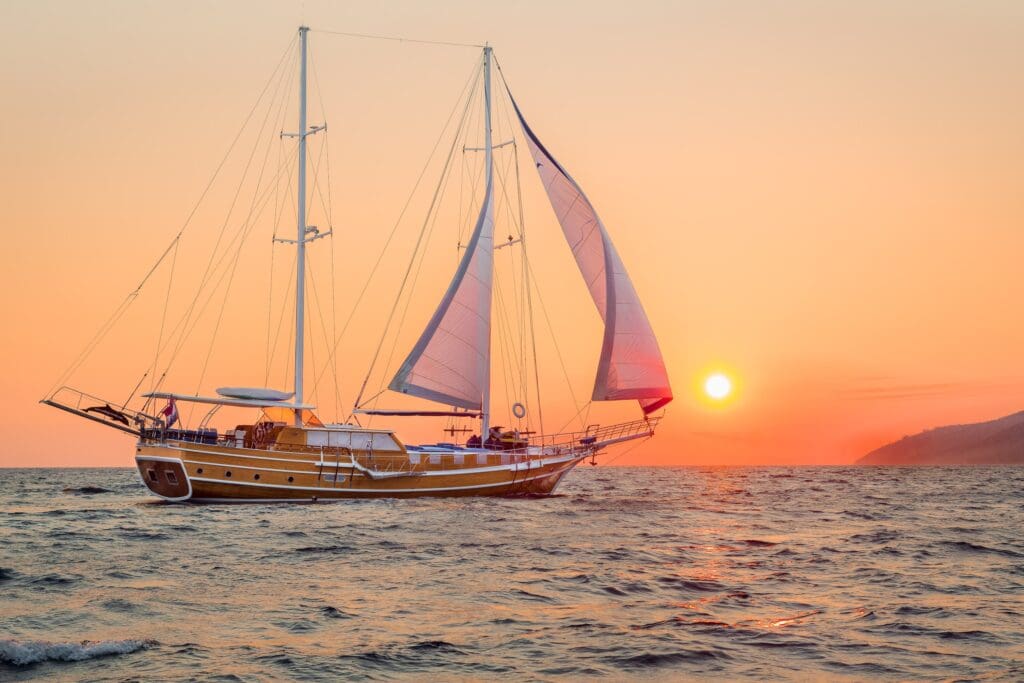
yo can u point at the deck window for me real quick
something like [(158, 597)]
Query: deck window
[(384, 442)]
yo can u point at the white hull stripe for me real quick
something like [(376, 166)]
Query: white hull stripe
[(359, 490)]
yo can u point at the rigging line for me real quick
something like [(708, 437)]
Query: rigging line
[(189, 324), (504, 345), (310, 344), (323, 323), (551, 331), (471, 80), (398, 39), (362, 292), (94, 342), (316, 163), (112, 320), (101, 333), (326, 145), (186, 323), (289, 364), (528, 274), (132, 395), (458, 225), (163, 318), (583, 423), (284, 307), (474, 122), (327, 140), (247, 224), (504, 366), (517, 222), (445, 179), (211, 267), (505, 333), (280, 124), (279, 205), (326, 205), (639, 443), (270, 312)]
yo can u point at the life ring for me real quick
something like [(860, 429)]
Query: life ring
[(519, 410)]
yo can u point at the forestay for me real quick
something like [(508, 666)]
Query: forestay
[(631, 365)]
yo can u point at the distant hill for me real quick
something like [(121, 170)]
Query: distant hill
[(997, 442)]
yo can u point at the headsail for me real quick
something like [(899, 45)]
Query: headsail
[(451, 361), (631, 365)]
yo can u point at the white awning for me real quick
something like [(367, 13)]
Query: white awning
[(255, 393), (227, 401)]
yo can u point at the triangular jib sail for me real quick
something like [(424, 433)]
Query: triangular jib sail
[(631, 366), (451, 361)]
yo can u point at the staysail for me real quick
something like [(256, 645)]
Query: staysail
[(631, 365), (451, 361)]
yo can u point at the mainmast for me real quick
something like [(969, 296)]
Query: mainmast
[(485, 417), (300, 259)]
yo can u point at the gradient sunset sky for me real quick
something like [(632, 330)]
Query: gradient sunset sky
[(824, 200)]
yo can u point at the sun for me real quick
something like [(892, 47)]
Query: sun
[(718, 386)]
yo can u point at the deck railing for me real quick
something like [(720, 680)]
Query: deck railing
[(100, 410), (596, 434)]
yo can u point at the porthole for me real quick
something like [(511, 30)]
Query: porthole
[(171, 479), (228, 473), (199, 471), (152, 475), (291, 479), (256, 476)]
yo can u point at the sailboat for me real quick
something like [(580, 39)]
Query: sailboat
[(286, 453)]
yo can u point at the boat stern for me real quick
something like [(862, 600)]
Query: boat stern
[(165, 477)]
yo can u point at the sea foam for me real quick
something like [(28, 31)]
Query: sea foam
[(35, 651)]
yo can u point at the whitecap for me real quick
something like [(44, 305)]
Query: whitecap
[(35, 651)]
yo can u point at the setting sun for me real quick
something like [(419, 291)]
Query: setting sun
[(718, 386)]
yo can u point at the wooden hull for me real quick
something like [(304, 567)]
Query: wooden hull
[(182, 472)]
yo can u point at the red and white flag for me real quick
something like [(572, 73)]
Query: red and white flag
[(170, 413)]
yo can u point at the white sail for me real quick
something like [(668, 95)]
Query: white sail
[(451, 361), (631, 365)]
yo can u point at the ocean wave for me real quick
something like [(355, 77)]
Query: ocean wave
[(776, 586), (965, 546), (55, 580), (335, 613), (325, 549), (86, 490), (659, 659), (35, 651)]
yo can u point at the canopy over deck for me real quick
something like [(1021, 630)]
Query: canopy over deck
[(229, 401)]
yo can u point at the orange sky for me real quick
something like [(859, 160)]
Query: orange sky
[(822, 199)]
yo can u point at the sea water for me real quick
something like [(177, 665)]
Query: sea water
[(628, 573)]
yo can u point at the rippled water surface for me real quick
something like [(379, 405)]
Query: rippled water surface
[(628, 573)]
